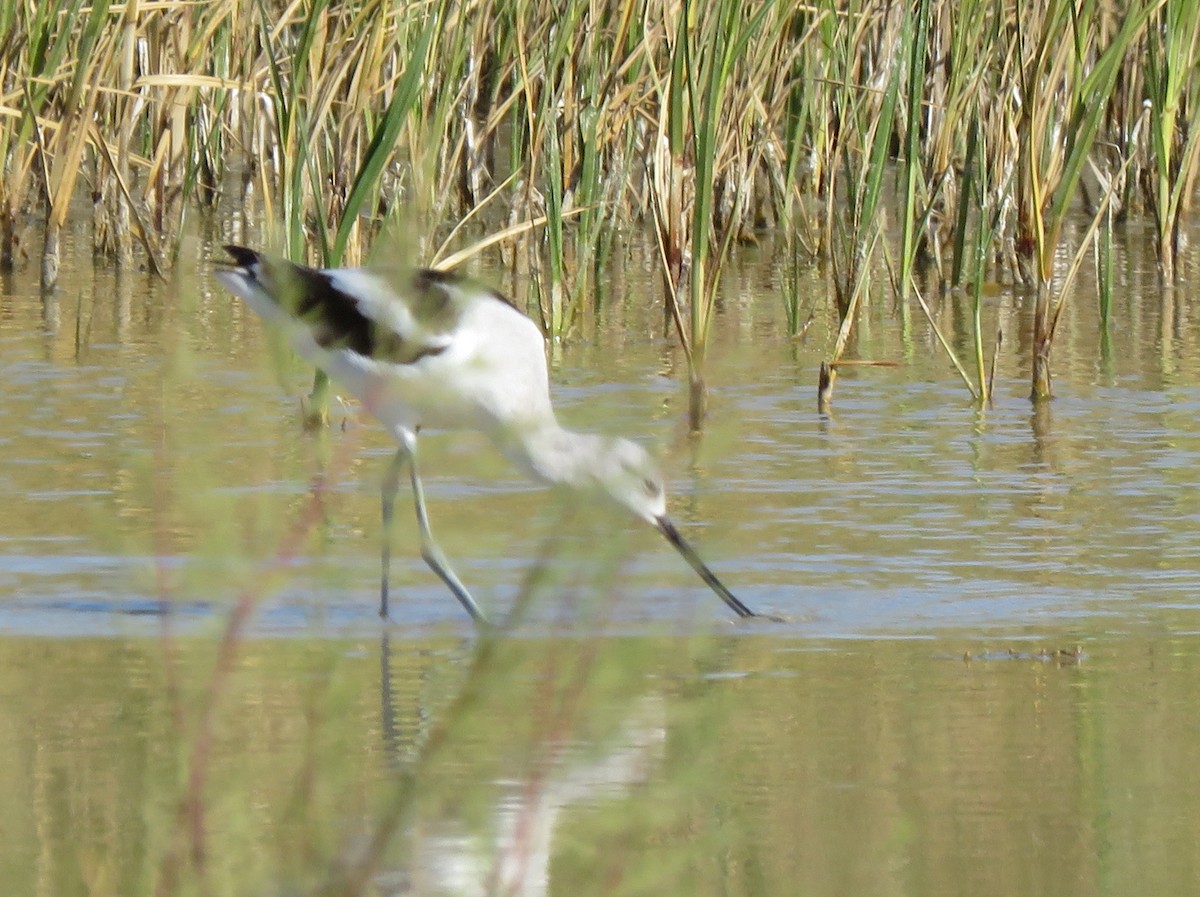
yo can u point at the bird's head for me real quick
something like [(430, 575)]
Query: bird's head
[(626, 472)]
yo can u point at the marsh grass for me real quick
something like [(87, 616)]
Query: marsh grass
[(703, 124), (1172, 46)]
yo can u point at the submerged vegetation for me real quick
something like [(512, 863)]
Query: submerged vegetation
[(979, 127)]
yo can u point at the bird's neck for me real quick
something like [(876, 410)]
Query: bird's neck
[(552, 454)]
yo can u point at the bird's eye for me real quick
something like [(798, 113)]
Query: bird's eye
[(652, 488)]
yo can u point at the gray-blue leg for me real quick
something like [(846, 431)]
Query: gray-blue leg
[(430, 552), (433, 554)]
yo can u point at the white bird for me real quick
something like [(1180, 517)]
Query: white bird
[(436, 350)]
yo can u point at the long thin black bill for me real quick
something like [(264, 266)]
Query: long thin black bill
[(667, 528)]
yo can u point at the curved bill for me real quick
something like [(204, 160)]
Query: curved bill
[(667, 528)]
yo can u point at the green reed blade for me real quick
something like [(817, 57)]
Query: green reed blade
[(912, 155), (383, 140), (970, 196), (554, 231)]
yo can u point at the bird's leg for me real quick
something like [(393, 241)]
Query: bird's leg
[(391, 485), (430, 551)]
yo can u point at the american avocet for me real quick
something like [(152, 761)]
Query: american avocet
[(436, 350)]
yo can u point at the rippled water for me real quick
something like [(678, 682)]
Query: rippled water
[(983, 686)]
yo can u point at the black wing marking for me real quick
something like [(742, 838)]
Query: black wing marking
[(332, 314), (427, 282)]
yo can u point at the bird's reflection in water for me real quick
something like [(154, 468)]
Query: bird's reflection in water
[(510, 854)]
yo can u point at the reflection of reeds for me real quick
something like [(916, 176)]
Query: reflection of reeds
[(703, 122)]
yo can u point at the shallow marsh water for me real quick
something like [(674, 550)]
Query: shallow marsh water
[(986, 684)]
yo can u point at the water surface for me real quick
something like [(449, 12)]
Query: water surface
[(985, 685)]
